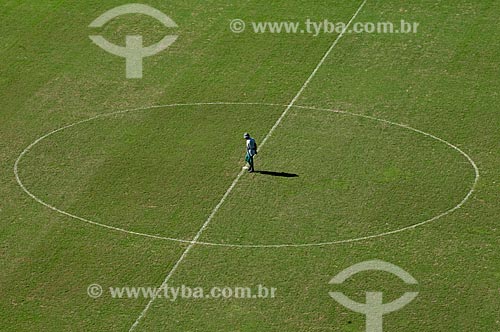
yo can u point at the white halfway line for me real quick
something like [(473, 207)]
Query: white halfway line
[(238, 177)]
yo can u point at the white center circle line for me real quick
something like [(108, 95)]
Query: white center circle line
[(37, 199)]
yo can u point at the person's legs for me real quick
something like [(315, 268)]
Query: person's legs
[(250, 162)]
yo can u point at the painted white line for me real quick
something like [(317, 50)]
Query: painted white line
[(188, 248), (304, 86), (276, 245), (276, 124)]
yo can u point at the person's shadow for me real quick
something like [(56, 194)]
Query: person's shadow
[(281, 174)]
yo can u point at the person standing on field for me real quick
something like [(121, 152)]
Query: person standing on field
[(251, 151)]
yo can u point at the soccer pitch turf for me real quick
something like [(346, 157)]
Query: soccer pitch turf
[(374, 146)]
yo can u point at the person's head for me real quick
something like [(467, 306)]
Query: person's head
[(246, 135)]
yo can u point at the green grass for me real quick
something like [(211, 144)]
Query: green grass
[(161, 171)]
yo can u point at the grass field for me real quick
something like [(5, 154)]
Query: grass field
[(375, 138)]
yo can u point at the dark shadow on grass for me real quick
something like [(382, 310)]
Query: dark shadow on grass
[(281, 174)]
